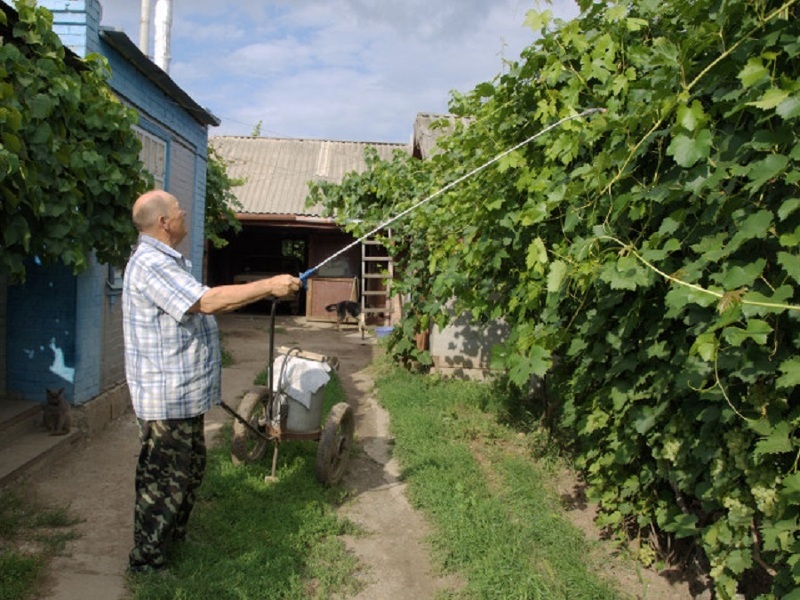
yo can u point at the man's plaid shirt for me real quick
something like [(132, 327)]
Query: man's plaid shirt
[(172, 358)]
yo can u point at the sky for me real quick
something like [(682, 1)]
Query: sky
[(346, 70)]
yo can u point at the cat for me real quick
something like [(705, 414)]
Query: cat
[(57, 413)]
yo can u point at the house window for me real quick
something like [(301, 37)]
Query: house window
[(153, 155), (295, 250)]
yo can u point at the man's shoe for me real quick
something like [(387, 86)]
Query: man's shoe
[(145, 569)]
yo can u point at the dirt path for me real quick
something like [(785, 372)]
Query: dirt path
[(96, 481), (392, 551)]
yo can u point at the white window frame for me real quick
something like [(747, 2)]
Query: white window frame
[(153, 155)]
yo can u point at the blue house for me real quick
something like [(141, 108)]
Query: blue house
[(59, 330)]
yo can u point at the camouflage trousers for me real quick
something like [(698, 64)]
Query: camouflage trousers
[(171, 465)]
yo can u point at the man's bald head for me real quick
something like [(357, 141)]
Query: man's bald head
[(158, 214), (149, 207)]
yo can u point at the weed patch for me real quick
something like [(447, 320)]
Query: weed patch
[(30, 536)]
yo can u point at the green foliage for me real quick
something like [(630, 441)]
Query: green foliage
[(18, 575), (69, 164), (645, 258), (221, 203)]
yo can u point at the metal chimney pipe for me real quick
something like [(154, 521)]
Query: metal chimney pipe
[(144, 28), (163, 26)]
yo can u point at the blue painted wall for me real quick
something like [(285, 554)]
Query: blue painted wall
[(41, 332), (64, 330), (186, 140)]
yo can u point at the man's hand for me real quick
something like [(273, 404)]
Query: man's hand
[(284, 285)]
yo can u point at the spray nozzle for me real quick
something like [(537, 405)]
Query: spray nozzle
[(303, 277)]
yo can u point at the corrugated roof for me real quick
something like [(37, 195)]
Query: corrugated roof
[(277, 170)]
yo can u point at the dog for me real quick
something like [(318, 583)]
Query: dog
[(348, 308)]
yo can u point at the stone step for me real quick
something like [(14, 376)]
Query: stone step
[(31, 450), (18, 418), (24, 443)]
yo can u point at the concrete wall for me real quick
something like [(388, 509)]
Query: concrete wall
[(463, 349), (92, 417)]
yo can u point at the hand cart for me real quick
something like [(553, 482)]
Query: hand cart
[(267, 414)]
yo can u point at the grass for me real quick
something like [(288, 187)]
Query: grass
[(255, 539), (496, 520), (496, 523), (225, 354), (30, 535)]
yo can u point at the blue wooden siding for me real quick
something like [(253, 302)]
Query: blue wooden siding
[(186, 140), (65, 330), (41, 332)]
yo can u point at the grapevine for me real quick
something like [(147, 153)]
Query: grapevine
[(671, 352), (69, 162)]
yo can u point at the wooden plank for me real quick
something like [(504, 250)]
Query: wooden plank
[(327, 290)]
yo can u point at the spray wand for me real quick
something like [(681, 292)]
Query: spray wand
[(305, 275)]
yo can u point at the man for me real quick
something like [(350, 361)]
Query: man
[(173, 369)]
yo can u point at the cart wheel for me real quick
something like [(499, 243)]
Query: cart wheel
[(246, 446), (334, 444)]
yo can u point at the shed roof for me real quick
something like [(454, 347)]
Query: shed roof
[(277, 170)]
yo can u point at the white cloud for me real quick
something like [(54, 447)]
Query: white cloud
[(339, 69), (211, 32)]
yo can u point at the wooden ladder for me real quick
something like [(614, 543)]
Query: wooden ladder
[(377, 272)]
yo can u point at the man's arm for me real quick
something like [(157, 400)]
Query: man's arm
[(225, 298)]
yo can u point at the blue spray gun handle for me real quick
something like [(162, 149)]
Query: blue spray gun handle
[(305, 275)]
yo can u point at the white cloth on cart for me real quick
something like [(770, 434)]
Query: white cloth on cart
[(301, 377)]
